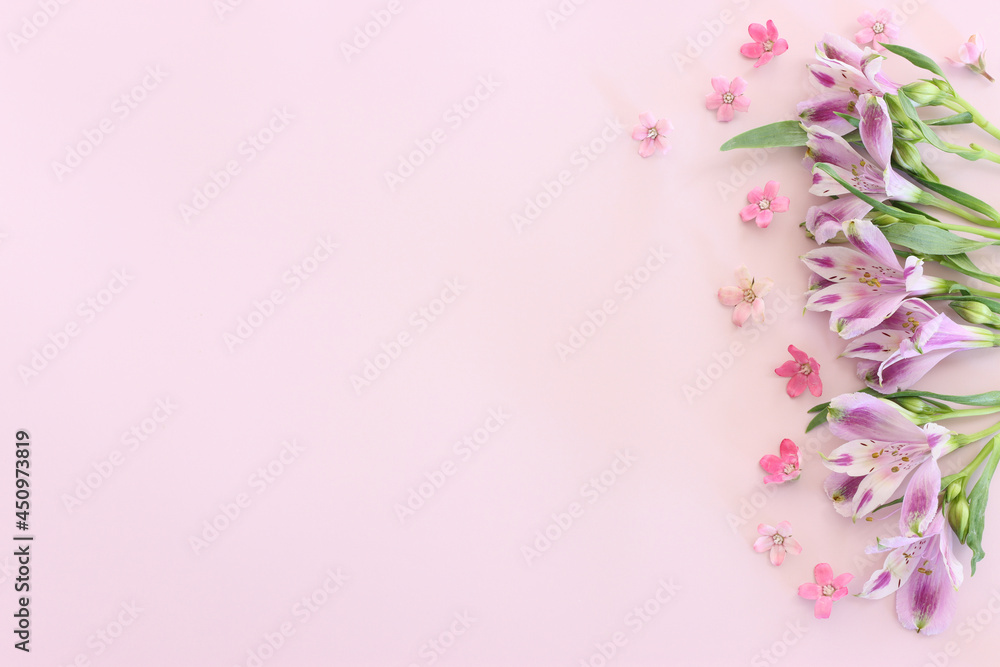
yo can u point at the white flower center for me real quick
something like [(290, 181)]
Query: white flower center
[(778, 539), (652, 134), (768, 45), (727, 98), (805, 369), (748, 295), (829, 590), (764, 204), (788, 469), (878, 27)]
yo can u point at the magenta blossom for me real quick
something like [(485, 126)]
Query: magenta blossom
[(826, 590), (972, 55), (727, 96), (747, 296), (922, 568), (652, 133), (803, 372), (778, 541), (898, 352), (764, 203), (884, 448), (784, 469), (843, 73), (765, 45), (876, 29)]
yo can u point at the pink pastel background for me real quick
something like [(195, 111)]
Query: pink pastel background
[(680, 516)]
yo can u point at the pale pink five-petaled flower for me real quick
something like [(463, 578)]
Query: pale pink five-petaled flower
[(878, 28), (778, 540), (747, 296), (972, 54), (764, 203), (765, 45), (785, 468), (803, 372), (652, 133), (727, 96), (826, 590)]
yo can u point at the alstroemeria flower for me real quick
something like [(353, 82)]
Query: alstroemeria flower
[(764, 203), (826, 590), (765, 45), (824, 221), (844, 73), (784, 469), (874, 177), (778, 540), (972, 54), (747, 296), (921, 568), (898, 352), (867, 284), (652, 133), (884, 448), (727, 96), (803, 371), (877, 28), (841, 489)]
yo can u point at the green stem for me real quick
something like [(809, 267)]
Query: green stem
[(976, 462), (964, 440), (930, 200), (971, 412), (977, 117)]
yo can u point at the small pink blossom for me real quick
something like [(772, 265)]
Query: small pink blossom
[(746, 296), (787, 468), (778, 541), (765, 45), (803, 372), (877, 29), (764, 203), (972, 55), (826, 590), (652, 133), (727, 96)]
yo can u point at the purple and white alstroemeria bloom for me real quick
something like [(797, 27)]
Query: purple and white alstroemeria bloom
[(844, 73), (910, 342), (876, 177), (825, 221), (921, 568), (884, 447), (867, 282)]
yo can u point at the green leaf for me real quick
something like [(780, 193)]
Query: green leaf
[(929, 240), (780, 134), (917, 58), (818, 407), (962, 263), (856, 122), (819, 419), (978, 499), (987, 399), (957, 119)]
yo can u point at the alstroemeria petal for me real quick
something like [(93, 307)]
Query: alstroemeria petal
[(898, 567), (869, 239), (840, 488), (860, 416), (927, 602), (920, 500), (876, 128)]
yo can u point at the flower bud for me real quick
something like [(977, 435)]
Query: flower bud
[(976, 312), (908, 157), (953, 490), (958, 517), (926, 93), (921, 407)]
